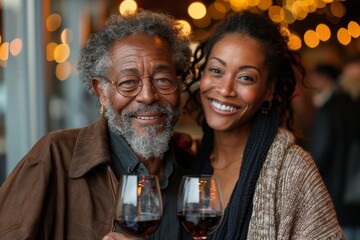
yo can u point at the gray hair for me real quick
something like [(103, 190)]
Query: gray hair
[(95, 57)]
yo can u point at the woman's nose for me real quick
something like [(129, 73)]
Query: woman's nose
[(226, 87)]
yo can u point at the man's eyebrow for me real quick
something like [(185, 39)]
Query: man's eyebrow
[(159, 67), (129, 71)]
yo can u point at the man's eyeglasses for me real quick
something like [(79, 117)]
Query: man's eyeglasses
[(131, 85)]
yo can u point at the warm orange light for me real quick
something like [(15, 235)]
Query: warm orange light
[(186, 28), (50, 49), (343, 36), (61, 53), (197, 10), (15, 46), (238, 5), (276, 14), (294, 42), (203, 22), (311, 39), (323, 32), (4, 51), (63, 71), (337, 9), (264, 5), (128, 7), (53, 22), (253, 3), (299, 10), (354, 29), (66, 36), (217, 11)]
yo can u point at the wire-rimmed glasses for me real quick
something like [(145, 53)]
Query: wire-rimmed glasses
[(131, 85)]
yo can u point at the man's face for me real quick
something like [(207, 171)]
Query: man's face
[(146, 120)]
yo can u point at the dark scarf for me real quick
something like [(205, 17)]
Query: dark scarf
[(237, 215)]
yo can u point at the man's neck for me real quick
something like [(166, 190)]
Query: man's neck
[(155, 166)]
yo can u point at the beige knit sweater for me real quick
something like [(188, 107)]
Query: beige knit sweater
[(291, 200)]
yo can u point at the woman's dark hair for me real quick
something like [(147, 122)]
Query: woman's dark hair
[(283, 64)]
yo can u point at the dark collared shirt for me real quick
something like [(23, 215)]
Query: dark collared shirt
[(126, 162)]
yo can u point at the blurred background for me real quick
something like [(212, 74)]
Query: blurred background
[(40, 42)]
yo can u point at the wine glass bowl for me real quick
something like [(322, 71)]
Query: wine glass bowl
[(138, 206), (199, 205)]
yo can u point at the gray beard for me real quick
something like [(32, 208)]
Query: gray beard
[(154, 143)]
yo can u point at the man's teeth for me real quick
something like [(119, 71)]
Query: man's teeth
[(222, 106), (147, 118)]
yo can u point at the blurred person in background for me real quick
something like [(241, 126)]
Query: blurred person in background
[(334, 139), (350, 83)]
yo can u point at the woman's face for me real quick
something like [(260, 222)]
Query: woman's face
[(234, 84)]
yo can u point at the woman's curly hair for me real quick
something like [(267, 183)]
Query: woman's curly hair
[(95, 57), (283, 64)]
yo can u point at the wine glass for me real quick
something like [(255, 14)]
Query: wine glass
[(199, 205), (138, 207)]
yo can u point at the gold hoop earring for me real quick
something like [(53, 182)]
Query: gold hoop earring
[(265, 109), (101, 110)]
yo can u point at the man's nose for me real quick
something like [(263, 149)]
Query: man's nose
[(148, 93)]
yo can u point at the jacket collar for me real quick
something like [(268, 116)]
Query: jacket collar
[(91, 149)]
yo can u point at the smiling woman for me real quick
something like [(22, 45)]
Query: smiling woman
[(247, 77)]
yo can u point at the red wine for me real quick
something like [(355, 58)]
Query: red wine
[(200, 223), (137, 228)]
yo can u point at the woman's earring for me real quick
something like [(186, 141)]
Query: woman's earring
[(265, 108), (101, 110)]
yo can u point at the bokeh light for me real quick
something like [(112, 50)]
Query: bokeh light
[(15, 46), (4, 51), (53, 22), (197, 10), (354, 29), (63, 71), (323, 32), (294, 42), (186, 27), (66, 36), (50, 49), (128, 7), (311, 39), (61, 53), (343, 36)]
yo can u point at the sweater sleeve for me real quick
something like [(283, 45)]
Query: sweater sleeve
[(291, 200), (305, 209)]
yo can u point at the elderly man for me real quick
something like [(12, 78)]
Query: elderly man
[(65, 187)]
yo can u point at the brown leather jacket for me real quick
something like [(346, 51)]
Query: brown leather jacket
[(54, 192)]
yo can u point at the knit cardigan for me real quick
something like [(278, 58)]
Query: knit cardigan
[(290, 199)]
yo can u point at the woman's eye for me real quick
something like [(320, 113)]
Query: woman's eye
[(214, 71), (245, 79)]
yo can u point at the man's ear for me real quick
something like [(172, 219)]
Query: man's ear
[(99, 91)]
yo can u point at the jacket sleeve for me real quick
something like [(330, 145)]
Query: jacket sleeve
[(23, 200)]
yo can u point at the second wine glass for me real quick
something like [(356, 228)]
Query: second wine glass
[(138, 208), (200, 205)]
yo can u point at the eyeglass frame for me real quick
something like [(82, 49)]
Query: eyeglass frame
[(140, 85)]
